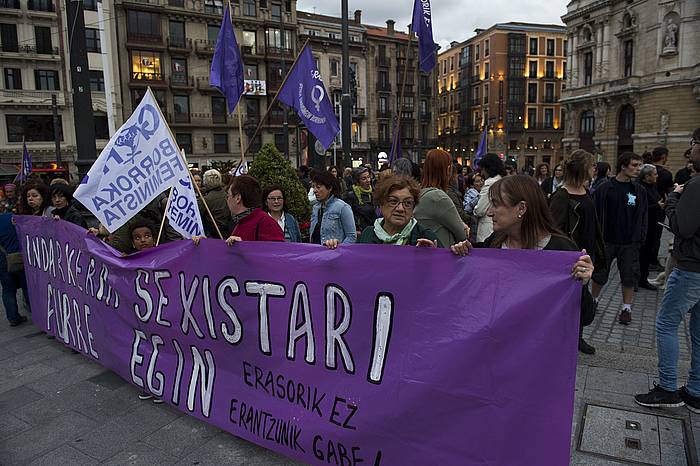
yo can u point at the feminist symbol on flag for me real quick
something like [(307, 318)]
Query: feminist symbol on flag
[(319, 99)]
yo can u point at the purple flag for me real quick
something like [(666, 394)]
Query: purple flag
[(227, 67), (277, 344), (395, 152), (483, 146), (304, 91), (26, 169), (422, 26)]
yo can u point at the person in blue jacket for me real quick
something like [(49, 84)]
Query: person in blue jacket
[(11, 281)]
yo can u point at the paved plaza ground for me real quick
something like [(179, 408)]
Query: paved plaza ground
[(59, 408)]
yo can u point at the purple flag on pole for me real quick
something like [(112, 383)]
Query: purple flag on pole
[(422, 26), (483, 147), (26, 169), (395, 152), (226, 67), (305, 92)]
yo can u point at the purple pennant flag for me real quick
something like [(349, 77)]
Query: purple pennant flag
[(422, 26), (304, 91), (483, 147), (395, 152), (26, 169), (226, 67)]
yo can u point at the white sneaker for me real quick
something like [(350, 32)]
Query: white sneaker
[(158, 401), (145, 396)]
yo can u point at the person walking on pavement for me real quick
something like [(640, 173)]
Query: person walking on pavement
[(621, 206), (648, 177), (664, 186), (682, 296), (11, 279)]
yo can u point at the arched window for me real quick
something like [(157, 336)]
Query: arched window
[(625, 129), (587, 131), (587, 34), (627, 21)]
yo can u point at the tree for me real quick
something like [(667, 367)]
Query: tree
[(269, 167)]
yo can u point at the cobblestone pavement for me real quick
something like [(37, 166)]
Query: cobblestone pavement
[(59, 408)]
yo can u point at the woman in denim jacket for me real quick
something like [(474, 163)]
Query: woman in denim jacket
[(332, 221)]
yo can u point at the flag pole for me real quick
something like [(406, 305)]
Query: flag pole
[(184, 161), (238, 104), (397, 132), (165, 214), (274, 100)]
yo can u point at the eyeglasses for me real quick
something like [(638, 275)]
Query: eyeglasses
[(275, 199), (407, 203)]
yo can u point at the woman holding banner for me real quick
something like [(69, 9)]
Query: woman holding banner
[(397, 196), (35, 200), (275, 204)]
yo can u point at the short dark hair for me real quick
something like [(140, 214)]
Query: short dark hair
[(394, 183), (141, 222), (42, 189), (696, 133), (62, 189), (577, 166), (602, 169), (326, 179), (658, 153), (493, 165), (472, 177), (249, 189), (624, 159), (266, 192)]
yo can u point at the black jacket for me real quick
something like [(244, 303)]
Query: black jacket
[(566, 215), (641, 218), (684, 220), (71, 214), (365, 214)]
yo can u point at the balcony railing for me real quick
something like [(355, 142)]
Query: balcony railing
[(144, 38), (14, 4), (181, 80), (205, 46), (383, 60), (140, 76), (249, 50), (30, 49), (358, 112), (425, 116), (383, 113), (280, 52), (476, 102), (476, 78), (384, 87), (181, 43), (549, 99), (213, 9), (37, 5)]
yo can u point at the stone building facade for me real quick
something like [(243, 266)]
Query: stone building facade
[(449, 95), (635, 76), (325, 36), (388, 55)]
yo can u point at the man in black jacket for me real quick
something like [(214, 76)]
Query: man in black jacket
[(621, 206), (682, 296)]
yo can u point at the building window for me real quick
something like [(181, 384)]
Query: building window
[(532, 93), (274, 38), (250, 71), (13, 78), (90, 5), (533, 45), (249, 8), (486, 48), (178, 71), (550, 47), (549, 118), (249, 39), (92, 40), (280, 142), (566, 48), (476, 54), (252, 109), (32, 128), (383, 80), (334, 67), (588, 122), (46, 80), (563, 70), (40, 5), (212, 34), (533, 69), (220, 143), (177, 33), (8, 38), (97, 81), (181, 104), (144, 26), (276, 11), (184, 141), (383, 105), (549, 70), (384, 133), (532, 118), (214, 7), (218, 110), (629, 52), (487, 70), (587, 68), (549, 93), (145, 66), (486, 94), (101, 126), (138, 94), (43, 40), (423, 108), (562, 118)]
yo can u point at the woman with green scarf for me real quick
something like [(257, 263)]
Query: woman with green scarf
[(397, 196), (359, 197)]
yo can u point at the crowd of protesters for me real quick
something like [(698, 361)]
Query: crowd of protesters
[(577, 205)]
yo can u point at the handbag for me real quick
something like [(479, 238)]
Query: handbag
[(15, 261)]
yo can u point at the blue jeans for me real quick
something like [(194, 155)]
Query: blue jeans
[(11, 282), (682, 296)]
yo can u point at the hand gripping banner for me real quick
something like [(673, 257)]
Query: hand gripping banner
[(370, 355)]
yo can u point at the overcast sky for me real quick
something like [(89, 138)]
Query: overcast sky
[(452, 19)]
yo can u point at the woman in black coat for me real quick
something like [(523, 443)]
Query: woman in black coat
[(64, 206)]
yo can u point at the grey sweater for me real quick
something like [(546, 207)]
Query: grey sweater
[(683, 213), (437, 212)]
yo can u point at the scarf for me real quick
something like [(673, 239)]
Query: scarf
[(399, 239), (359, 191)]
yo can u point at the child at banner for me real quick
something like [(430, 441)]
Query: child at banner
[(143, 236)]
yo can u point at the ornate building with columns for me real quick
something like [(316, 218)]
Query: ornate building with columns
[(634, 80)]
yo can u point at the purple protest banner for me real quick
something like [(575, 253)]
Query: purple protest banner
[(372, 355)]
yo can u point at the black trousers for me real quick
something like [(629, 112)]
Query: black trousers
[(649, 251)]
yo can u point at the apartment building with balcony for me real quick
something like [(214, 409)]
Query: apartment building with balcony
[(388, 56), (324, 34), (168, 45), (32, 48), (512, 76), (449, 96)]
